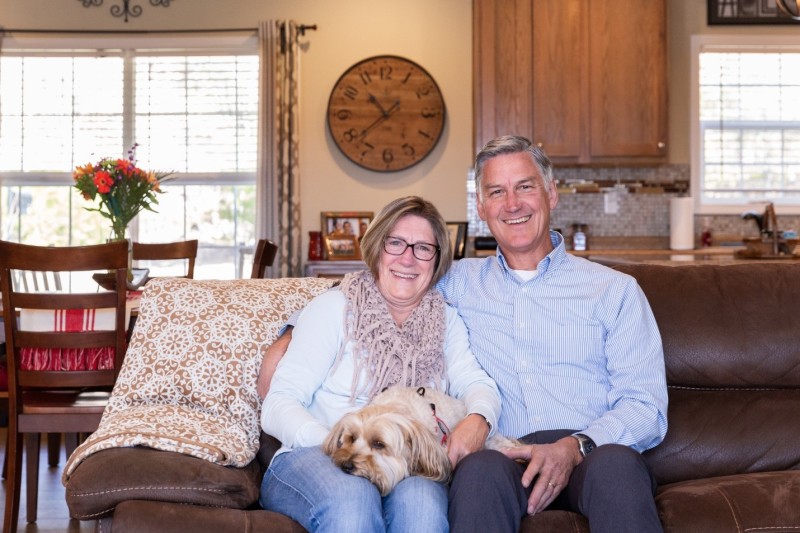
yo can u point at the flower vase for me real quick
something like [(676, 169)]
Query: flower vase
[(120, 234)]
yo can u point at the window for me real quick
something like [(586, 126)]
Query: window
[(746, 126), (191, 110)]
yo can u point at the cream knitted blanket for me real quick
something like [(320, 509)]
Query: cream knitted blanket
[(188, 383)]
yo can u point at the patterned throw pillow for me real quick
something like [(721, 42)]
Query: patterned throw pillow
[(188, 383)]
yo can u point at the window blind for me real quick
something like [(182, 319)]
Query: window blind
[(189, 113), (749, 125)]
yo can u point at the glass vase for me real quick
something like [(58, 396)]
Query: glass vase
[(121, 234)]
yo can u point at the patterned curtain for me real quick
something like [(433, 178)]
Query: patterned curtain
[(278, 173)]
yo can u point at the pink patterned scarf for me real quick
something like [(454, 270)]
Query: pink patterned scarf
[(407, 355)]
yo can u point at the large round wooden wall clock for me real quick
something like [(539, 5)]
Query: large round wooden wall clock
[(386, 113)]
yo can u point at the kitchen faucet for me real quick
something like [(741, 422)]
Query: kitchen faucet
[(771, 225), (767, 226)]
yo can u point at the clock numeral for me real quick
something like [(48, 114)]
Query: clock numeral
[(429, 113), (366, 78), (344, 114), (408, 75), (408, 150), (424, 134), (369, 148), (425, 90), (350, 135), (386, 72), (350, 92), (388, 156)]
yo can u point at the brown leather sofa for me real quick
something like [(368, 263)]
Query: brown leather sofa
[(730, 460)]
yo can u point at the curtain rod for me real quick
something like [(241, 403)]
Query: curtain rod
[(302, 29)]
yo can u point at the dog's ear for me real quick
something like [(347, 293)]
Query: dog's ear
[(428, 457), (334, 439)]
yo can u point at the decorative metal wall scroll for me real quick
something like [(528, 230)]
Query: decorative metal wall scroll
[(126, 9)]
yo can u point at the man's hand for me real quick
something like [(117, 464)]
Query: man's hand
[(467, 437), (550, 465), (270, 362)]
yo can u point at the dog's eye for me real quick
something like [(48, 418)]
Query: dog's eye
[(378, 445)]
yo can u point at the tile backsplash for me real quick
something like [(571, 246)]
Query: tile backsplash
[(639, 214)]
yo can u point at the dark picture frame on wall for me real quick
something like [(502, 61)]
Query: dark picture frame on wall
[(458, 238), (722, 12)]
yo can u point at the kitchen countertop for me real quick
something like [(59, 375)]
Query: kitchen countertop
[(718, 255), (715, 255)]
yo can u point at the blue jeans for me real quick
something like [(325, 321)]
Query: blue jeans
[(305, 485)]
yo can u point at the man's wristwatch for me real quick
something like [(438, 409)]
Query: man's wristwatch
[(585, 444)]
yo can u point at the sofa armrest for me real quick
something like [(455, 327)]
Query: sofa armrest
[(267, 447), (112, 476), (137, 516)]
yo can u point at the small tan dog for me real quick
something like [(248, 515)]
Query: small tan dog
[(402, 433)]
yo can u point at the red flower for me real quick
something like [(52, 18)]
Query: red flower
[(103, 181)]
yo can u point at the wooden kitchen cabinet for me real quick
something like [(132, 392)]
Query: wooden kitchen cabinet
[(585, 79)]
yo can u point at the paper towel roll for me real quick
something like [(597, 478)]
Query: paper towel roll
[(681, 223)]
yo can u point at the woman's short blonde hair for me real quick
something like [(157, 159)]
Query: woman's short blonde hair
[(383, 224)]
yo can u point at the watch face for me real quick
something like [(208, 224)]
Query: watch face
[(386, 113)]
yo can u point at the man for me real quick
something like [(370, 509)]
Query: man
[(576, 354)]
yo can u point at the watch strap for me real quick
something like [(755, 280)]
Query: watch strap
[(585, 444)]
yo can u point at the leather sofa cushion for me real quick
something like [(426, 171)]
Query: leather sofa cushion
[(109, 477), (726, 327), (765, 501), (724, 432), (136, 516)]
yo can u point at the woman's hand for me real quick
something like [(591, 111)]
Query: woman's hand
[(467, 437)]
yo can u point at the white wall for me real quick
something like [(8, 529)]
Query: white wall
[(437, 34)]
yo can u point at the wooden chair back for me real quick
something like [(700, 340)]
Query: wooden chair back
[(54, 400), (168, 251), (263, 257)]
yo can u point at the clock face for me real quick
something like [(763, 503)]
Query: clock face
[(386, 113)]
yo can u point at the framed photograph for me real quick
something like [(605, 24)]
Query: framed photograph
[(458, 238), (344, 223), (341, 247), (753, 12)]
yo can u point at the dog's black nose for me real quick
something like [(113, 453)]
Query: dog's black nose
[(347, 467)]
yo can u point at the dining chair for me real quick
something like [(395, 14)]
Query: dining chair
[(263, 257), (82, 334), (168, 251), (4, 409)]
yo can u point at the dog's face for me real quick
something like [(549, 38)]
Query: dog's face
[(385, 445)]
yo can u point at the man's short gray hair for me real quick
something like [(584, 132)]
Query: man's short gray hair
[(513, 144)]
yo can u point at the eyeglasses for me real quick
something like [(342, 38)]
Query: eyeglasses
[(422, 250)]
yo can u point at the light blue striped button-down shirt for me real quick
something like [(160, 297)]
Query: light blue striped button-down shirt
[(576, 347)]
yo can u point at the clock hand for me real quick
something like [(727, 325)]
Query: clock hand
[(377, 103), (378, 121), (395, 107)]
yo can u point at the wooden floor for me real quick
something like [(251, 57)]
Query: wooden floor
[(53, 516)]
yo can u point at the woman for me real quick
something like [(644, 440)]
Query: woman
[(384, 326)]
